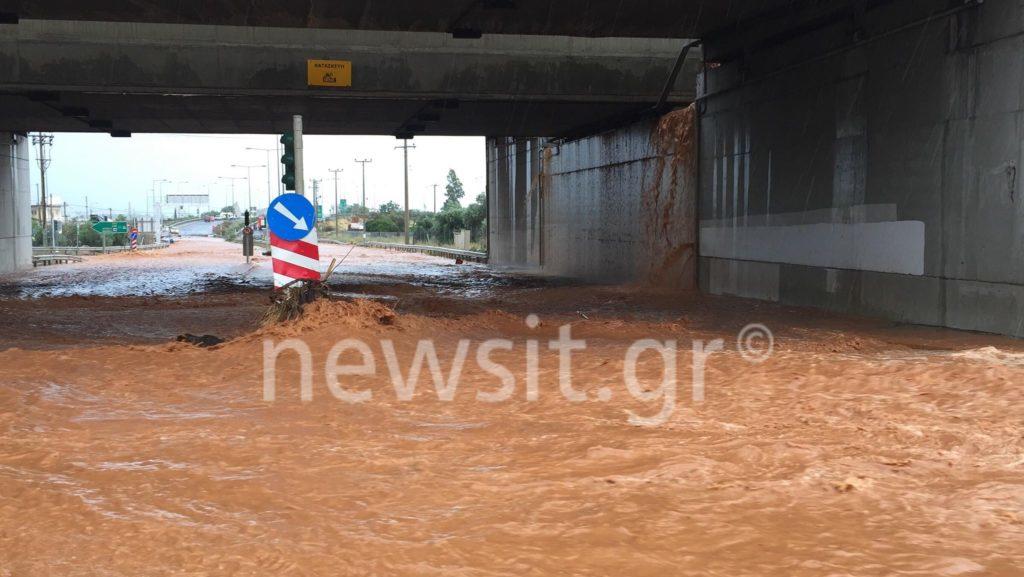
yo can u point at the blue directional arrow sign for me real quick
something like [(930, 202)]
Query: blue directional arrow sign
[(291, 216)]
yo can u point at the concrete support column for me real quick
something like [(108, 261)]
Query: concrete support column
[(520, 150), (499, 202), (15, 203), (514, 189)]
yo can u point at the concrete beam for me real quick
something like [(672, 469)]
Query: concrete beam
[(585, 18), (147, 77)]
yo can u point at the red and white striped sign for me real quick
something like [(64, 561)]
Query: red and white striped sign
[(295, 259), (134, 238)]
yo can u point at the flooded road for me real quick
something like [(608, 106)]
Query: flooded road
[(210, 265), (197, 228), (856, 447)]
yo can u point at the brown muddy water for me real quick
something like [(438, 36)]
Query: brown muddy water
[(857, 448)]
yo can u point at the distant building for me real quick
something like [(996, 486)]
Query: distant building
[(54, 212)]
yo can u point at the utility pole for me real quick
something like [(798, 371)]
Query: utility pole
[(316, 201), (435, 199), (44, 141), (363, 162), (335, 171), (405, 155), (77, 226)]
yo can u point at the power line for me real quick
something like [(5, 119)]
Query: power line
[(44, 141), (335, 171)]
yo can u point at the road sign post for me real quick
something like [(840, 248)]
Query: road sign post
[(247, 243), (293, 239)]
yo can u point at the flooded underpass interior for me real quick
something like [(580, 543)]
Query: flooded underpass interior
[(850, 447)]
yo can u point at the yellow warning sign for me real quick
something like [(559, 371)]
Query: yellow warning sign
[(329, 73)]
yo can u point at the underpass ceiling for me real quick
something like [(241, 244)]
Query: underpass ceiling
[(593, 18)]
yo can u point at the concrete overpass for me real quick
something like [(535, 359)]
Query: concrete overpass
[(124, 77), (99, 76), (857, 155)]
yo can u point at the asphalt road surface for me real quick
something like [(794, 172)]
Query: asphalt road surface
[(198, 228)]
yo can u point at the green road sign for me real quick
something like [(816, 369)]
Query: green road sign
[(319, 212), (112, 226)]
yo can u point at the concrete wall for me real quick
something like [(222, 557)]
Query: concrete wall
[(15, 199), (615, 207), (880, 180)]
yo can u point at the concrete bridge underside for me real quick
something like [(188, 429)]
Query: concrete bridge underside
[(579, 18), (99, 76)]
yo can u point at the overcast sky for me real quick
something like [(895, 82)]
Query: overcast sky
[(113, 172)]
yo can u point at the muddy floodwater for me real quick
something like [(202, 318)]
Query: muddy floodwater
[(854, 447)]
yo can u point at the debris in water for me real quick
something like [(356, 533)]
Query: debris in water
[(200, 340), (350, 296), (286, 305)]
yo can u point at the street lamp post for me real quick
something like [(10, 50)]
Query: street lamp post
[(154, 192), (248, 170), (270, 195), (234, 205), (156, 216)]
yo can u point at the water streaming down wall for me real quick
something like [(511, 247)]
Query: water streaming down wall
[(880, 178), (614, 207)]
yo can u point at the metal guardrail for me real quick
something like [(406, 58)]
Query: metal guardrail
[(452, 253), (89, 250), (51, 259)]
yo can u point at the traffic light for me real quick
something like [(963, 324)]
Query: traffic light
[(288, 160)]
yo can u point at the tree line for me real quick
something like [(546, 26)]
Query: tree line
[(439, 227)]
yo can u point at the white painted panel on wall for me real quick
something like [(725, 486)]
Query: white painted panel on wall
[(895, 247), (756, 280)]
